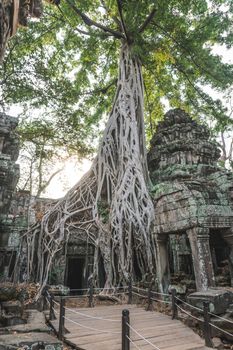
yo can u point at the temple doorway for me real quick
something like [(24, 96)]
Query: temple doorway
[(75, 273)]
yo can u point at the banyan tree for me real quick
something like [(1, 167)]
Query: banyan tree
[(168, 44)]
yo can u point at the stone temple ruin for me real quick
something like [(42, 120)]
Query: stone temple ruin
[(18, 210), (193, 200), (9, 175)]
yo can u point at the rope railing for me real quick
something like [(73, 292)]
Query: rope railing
[(131, 291), (206, 318), (222, 330), (187, 313), (190, 305), (163, 294), (132, 342), (201, 311), (162, 301), (89, 316), (152, 291), (149, 296), (79, 290), (142, 337), (113, 288), (91, 328), (141, 296), (56, 312), (64, 317), (56, 303), (221, 318)]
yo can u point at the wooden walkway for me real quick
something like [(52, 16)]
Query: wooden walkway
[(105, 334)]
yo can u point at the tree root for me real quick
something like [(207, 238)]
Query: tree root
[(110, 206)]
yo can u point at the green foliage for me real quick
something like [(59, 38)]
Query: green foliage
[(67, 68), (104, 211)]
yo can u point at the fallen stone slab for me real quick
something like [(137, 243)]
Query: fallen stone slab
[(35, 323), (33, 341), (219, 299)]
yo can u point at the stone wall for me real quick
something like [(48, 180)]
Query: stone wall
[(24, 211), (9, 175), (192, 198), (18, 210), (9, 171)]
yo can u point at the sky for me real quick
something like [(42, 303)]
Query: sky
[(72, 172)]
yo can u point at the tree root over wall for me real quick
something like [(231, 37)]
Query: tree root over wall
[(110, 206)]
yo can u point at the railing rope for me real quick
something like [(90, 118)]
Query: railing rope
[(143, 338), (91, 328), (147, 294), (125, 330), (206, 324), (89, 316)]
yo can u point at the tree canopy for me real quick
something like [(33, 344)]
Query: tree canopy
[(66, 63)]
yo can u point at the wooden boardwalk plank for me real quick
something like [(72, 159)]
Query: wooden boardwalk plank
[(105, 334)]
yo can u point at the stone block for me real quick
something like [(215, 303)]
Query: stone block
[(181, 289), (12, 307), (30, 341), (219, 299), (59, 290)]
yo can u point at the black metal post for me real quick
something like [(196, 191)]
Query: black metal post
[(206, 325), (51, 312), (174, 306), (125, 330), (91, 293), (61, 318), (130, 291), (149, 301)]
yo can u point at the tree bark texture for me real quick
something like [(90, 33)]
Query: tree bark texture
[(110, 206)]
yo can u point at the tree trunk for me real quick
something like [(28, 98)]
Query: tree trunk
[(111, 203)]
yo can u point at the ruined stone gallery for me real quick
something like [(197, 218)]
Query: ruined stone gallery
[(193, 210)]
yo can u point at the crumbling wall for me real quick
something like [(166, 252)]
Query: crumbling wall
[(192, 197)]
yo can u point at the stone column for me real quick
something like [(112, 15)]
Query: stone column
[(201, 255), (162, 266)]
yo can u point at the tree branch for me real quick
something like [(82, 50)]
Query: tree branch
[(224, 156), (200, 93), (231, 150), (147, 21), (45, 185), (107, 9), (89, 22), (122, 21), (64, 19), (191, 56)]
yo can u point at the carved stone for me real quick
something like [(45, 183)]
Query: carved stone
[(9, 151), (192, 194), (9, 174)]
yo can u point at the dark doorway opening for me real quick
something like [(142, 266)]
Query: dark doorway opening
[(219, 249), (75, 274)]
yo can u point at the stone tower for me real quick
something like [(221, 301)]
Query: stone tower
[(192, 194)]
